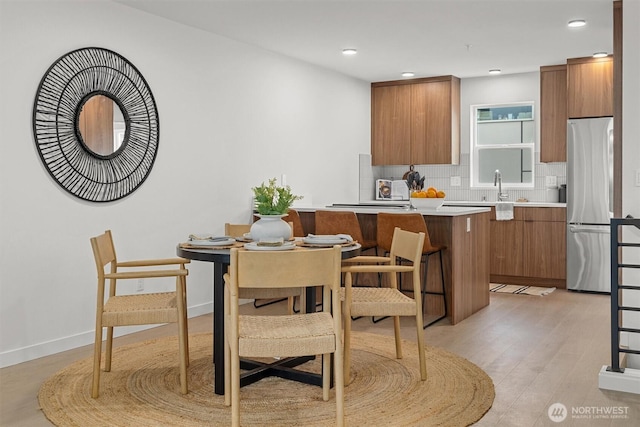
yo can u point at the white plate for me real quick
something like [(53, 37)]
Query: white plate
[(212, 243), (324, 240), (253, 246)]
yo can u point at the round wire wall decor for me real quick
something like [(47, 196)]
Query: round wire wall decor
[(66, 87)]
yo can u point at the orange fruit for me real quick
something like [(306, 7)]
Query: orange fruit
[(440, 194), (431, 193), (432, 188)]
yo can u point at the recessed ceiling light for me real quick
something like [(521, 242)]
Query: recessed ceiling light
[(349, 51), (577, 23), (495, 71), (600, 55), (408, 74)]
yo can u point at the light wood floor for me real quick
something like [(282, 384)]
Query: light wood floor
[(537, 350)]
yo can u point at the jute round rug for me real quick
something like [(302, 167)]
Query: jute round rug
[(142, 389)]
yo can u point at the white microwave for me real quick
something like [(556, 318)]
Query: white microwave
[(387, 189)]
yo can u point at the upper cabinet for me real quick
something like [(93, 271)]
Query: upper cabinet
[(580, 89), (553, 113), (590, 87), (416, 121)]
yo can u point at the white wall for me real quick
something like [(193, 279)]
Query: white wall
[(231, 116)]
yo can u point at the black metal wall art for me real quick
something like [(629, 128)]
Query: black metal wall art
[(65, 88)]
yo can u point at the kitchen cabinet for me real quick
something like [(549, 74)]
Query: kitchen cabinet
[(531, 248), (416, 121), (553, 113), (590, 87), (391, 125)]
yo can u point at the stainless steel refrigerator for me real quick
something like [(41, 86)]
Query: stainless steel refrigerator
[(589, 203)]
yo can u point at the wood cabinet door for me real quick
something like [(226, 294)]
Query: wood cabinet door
[(553, 113), (506, 248), (431, 123), (391, 125), (545, 248), (590, 87)]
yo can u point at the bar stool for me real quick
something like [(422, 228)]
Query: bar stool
[(415, 222), (294, 218), (342, 222)]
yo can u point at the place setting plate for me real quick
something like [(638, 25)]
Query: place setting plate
[(325, 240), (254, 246), (208, 241)]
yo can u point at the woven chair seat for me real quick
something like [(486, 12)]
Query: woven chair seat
[(286, 336), (380, 302), (143, 309)]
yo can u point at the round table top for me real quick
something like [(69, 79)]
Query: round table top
[(224, 255)]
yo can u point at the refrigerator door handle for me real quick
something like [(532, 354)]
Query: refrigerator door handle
[(583, 229)]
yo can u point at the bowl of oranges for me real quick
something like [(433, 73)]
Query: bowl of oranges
[(431, 198)]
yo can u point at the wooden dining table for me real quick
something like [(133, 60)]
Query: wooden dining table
[(220, 258)]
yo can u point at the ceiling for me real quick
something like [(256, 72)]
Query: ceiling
[(465, 38)]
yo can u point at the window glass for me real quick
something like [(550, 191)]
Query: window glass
[(503, 138)]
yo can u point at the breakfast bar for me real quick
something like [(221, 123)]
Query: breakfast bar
[(463, 230)]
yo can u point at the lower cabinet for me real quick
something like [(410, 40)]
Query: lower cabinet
[(531, 248)]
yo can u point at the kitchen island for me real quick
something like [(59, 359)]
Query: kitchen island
[(465, 232)]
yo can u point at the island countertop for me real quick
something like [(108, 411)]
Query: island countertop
[(373, 208)]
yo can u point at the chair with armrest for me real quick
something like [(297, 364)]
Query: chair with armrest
[(272, 296), (137, 309), (255, 336), (414, 221), (386, 301)]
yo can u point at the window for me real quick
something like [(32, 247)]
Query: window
[(502, 138)]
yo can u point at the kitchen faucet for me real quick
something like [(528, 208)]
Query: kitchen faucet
[(497, 180)]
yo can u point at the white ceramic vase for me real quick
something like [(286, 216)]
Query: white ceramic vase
[(270, 227)]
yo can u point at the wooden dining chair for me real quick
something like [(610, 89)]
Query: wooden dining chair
[(255, 336), (414, 221), (236, 230), (266, 296), (137, 309), (386, 301)]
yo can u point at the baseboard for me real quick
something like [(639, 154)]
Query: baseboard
[(628, 382), (36, 351), (529, 281)]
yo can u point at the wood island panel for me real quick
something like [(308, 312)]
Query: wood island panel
[(465, 261)]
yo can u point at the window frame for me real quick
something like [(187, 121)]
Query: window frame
[(475, 148)]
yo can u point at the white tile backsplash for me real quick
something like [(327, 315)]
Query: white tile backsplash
[(439, 176)]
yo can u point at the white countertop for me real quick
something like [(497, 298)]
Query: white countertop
[(519, 204), (450, 208), (375, 208)]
